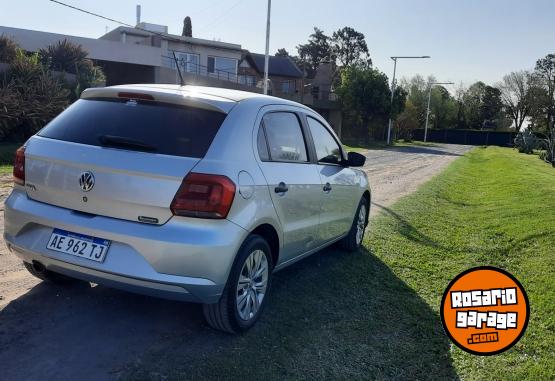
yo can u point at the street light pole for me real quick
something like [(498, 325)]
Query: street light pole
[(391, 101), (267, 56), (393, 92), (428, 108)]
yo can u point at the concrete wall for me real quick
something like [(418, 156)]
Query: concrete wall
[(104, 50)]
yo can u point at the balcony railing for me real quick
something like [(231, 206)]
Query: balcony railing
[(191, 67), (299, 90)]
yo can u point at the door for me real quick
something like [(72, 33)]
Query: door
[(293, 181), (339, 191)]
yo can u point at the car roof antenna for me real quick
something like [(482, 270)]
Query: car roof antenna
[(178, 69)]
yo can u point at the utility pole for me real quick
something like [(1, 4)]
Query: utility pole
[(393, 92), (428, 109), (267, 57)]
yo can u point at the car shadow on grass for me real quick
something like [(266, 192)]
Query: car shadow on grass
[(332, 315), (408, 230)]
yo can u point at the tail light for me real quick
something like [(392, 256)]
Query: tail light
[(19, 166), (204, 196)]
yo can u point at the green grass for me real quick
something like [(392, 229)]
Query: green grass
[(374, 314), (7, 154)]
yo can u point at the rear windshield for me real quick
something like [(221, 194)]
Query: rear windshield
[(135, 125)]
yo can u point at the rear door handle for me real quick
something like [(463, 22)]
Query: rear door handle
[(281, 188), (327, 187)]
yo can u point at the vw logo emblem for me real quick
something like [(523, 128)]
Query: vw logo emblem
[(86, 181)]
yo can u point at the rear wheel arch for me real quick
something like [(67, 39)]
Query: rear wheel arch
[(366, 196), (269, 233)]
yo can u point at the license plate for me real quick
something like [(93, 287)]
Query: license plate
[(79, 245)]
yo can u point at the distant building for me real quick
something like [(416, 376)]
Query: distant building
[(196, 56), (284, 76), (145, 54)]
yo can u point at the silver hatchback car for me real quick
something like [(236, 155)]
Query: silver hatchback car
[(189, 193)]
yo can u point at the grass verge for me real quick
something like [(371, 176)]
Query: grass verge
[(7, 154), (374, 314)]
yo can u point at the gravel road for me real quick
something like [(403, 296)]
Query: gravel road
[(91, 332)]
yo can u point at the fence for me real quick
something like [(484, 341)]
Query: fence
[(470, 137)]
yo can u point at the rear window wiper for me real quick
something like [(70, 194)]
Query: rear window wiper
[(121, 142)]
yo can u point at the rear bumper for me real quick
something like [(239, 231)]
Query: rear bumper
[(185, 259)]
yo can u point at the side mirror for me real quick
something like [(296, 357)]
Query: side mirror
[(355, 159)]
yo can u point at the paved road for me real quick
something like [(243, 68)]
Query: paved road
[(91, 333)]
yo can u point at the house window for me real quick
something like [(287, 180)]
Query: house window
[(286, 87), (188, 62), (249, 80), (222, 67)]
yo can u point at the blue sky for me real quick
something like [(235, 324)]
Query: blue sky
[(468, 40)]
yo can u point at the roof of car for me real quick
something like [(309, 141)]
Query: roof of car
[(213, 97)]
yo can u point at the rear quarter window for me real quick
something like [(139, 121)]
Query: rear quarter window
[(168, 129)]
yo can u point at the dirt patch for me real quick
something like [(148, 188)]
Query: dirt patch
[(14, 279), (398, 171)]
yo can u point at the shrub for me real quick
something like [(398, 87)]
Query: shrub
[(63, 56), (30, 96), (67, 57), (527, 142), (8, 49)]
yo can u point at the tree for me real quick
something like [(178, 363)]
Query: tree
[(516, 96), (187, 27), (491, 107), (473, 100), (417, 93), (459, 99), (349, 47), (545, 74), (315, 51), (365, 96), (282, 53), (443, 108), (407, 121)]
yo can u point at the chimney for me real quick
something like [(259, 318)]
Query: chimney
[(138, 14)]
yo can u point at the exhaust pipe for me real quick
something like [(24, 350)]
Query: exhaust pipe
[(38, 267)]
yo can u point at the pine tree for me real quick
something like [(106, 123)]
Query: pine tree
[(187, 27)]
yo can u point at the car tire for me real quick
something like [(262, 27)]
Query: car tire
[(229, 315), (49, 276), (353, 240)]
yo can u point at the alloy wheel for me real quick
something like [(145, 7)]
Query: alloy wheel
[(361, 224), (252, 284)]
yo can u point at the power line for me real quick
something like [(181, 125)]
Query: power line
[(165, 35), (92, 13), (220, 17)]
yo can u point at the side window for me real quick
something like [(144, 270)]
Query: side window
[(262, 147), (327, 149), (285, 137)]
